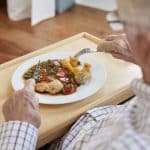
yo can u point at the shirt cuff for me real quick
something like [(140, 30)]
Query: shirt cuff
[(141, 89), (18, 135)]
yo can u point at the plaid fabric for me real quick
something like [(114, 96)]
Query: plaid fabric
[(118, 127), (16, 135)]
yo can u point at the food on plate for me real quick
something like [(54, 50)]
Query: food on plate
[(59, 76), (82, 77), (52, 87), (74, 61)]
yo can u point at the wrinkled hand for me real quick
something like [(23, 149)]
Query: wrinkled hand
[(23, 106), (118, 46)]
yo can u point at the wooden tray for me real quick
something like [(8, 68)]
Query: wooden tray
[(56, 119)]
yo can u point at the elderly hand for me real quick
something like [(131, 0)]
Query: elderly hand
[(23, 106), (118, 46)]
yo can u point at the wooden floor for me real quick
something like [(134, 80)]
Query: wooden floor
[(19, 38)]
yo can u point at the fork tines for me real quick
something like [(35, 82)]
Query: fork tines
[(83, 51)]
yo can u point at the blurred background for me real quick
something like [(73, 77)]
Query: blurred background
[(28, 25)]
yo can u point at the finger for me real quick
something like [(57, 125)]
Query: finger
[(111, 37), (114, 37), (28, 97), (31, 97), (122, 57), (108, 46), (34, 103), (30, 84), (118, 55)]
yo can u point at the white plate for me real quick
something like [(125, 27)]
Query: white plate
[(92, 86)]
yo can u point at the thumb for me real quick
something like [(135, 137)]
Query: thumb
[(30, 84)]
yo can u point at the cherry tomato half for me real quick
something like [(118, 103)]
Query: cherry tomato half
[(42, 71), (69, 89), (47, 78), (60, 73)]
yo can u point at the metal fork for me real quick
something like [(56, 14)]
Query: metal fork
[(36, 70), (84, 51)]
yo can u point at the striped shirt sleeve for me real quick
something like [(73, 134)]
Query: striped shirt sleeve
[(15, 135), (119, 127)]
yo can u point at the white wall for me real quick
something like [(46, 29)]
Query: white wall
[(108, 5)]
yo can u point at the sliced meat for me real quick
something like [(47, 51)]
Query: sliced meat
[(52, 87), (41, 87)]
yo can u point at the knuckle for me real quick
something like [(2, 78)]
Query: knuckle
[(5, 105), (5, 108)]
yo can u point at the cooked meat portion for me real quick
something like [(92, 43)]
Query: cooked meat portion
[(41, 87), (52, 87)]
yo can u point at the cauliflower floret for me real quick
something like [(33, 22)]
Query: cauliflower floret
[(86, 67), (82, 77)]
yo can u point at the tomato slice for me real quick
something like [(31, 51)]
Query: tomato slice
[(42, 71), (47, 78), (60, 73), (69, 89)]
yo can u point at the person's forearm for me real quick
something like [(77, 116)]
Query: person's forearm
[(18, 135), (142, 92), (146, 76)]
